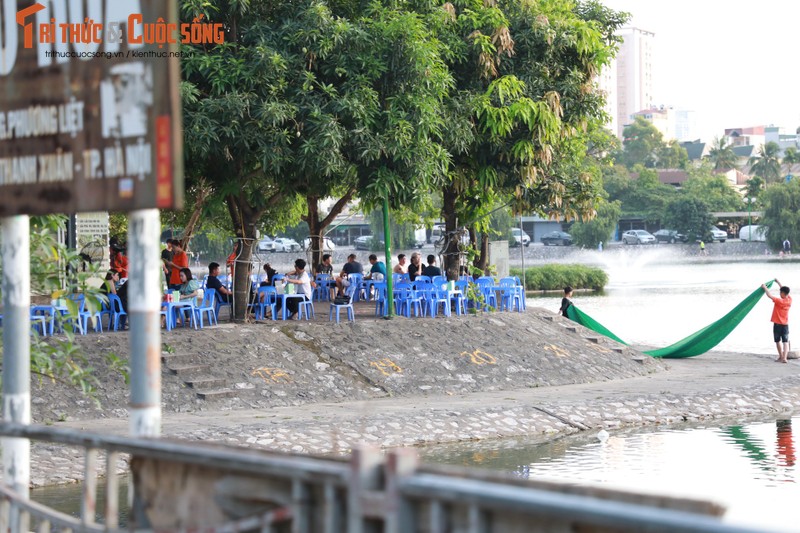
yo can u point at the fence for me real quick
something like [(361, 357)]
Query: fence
[(180, 486)]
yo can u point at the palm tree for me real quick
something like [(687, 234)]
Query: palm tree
[(766, 164), (722, 154), (791, 157)]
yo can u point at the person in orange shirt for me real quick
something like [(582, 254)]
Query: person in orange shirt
[(118, 261), (231, 261), (179, 260), (780, 320)]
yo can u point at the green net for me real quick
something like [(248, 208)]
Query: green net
[(696, 343)]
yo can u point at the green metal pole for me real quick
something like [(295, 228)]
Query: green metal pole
[(387, 240)]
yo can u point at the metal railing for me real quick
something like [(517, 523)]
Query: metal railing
[(179, 486)]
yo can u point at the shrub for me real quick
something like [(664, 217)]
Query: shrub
[(556, 277)]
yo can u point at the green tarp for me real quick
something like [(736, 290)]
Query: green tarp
[(696, 343)]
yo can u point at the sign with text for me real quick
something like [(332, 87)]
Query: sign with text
[(89, 105)]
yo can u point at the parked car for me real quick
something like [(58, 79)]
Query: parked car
[(638, 236), (520, 237), (327, 244), (557, 237), (669, 235), (283, 244), (363, 243), (717, 234), (266, 245)]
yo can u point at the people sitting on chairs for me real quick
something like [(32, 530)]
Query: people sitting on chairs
[(415, 268), (378, 270), (302, 280), (351, 267), (109, 286), (431, 270), (402, 265), (270, 272), (189, 286), (118, 261), (213, 282), (325, 267)]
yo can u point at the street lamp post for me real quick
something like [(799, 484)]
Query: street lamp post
[(749, 221)]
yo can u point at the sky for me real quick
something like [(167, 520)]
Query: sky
[(733, 62)]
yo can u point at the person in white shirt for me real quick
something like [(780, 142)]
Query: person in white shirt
[(302, 281)]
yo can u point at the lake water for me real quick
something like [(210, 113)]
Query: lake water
[(655, 299), (751, 468)]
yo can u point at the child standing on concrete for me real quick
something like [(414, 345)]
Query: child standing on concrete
[(565, 301)]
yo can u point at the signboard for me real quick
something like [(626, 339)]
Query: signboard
[(91, 237), (89, 105)]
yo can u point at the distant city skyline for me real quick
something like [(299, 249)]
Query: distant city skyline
[(732, 62)]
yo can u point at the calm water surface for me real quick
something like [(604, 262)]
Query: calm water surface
[(654, 300), (751, 469)]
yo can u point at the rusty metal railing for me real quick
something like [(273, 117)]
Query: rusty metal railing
[(180, 486)]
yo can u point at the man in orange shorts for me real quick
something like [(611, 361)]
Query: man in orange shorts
[(780, 320)]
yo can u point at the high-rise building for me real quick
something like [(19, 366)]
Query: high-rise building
[(633, 70)]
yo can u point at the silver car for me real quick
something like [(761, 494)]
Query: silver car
[(282, 244), (638, 236)]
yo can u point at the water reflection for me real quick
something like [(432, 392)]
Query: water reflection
[(751, 469)]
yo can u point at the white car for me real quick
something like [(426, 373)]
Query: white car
[(282, 244), (638, 236), (520, 237), (717, 234), (266, 245), (327, 244)]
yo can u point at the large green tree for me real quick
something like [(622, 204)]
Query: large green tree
[(299, 104), (689, 216), (715, 190), (599, 229), (782, 212), (522, 103)]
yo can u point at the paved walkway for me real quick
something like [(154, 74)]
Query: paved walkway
[(715, 385)]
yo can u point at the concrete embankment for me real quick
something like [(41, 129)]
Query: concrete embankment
[(319, 388)]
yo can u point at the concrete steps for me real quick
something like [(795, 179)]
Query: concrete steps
[(197, 376)]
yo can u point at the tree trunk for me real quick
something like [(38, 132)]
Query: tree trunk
[(451, 252), (316, 226), (244, 218), (203, 192), (482, 261)]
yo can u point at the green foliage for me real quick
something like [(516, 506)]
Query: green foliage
[(721, 155), (713, 189), (599, 229), (643, 196), (557, 276), (644, 145), (689, 216), (56, 272), (782, 212), (766, 165)]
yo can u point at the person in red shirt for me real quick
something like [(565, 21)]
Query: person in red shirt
[(780, 320), (179, 260), (118, 261)]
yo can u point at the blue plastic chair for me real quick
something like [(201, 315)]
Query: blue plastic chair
[(356, 280), (485, 285), (306, 307), (118, 314), (438, 281), (381, 299), (509, 295), (218, 303), (266, 297), (84, 316), (351, 315), (406, 298), (322, 292), (206, 308)]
